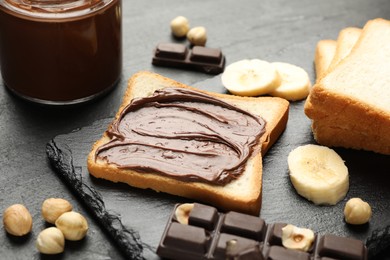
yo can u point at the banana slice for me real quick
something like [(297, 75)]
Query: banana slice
[(318, 174), (295, 83), (250, 77)]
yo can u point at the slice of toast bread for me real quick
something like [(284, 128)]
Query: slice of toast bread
[(346, 40), (242, 194), (323, 56), (330, 52), (347, 137), (355, 94)]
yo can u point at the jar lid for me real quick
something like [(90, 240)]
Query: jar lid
[(54, 8)]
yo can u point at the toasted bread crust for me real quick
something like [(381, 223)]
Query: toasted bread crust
[(242, 194), (347, 137)]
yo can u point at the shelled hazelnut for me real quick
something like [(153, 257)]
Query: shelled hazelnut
[(180, 26), (182, 212), (297, 238), (50, 241), (197, 36), (357, 211), (17, 220), (73, 225), (52, 208)]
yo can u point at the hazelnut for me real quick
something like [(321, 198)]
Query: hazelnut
[(231, 246), (180, 26), (17, 220), (73, 225), (182, 213), (50, 241), (53, 208), (197, 36), (357, 211), (297, 238)]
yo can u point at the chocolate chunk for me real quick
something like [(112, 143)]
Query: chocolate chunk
[(203, 216), (241, 244), (171, 51), (207, 55), (219, 236), (341, 247), (244, 225), (281, 253), (208, 60), (233, 252), (275, 237), (186, 238)]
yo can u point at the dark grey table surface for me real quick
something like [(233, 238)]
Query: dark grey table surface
[(278, 30)]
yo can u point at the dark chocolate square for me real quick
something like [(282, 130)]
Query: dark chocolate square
[(235, 253), (171, 51), (241, 244), (275, 236), (203, 216), (186, 238), (281, 253), (341, 247), (206, 55), (244, 225)]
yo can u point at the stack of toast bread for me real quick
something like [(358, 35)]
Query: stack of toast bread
[(350, 103), (241, 194)]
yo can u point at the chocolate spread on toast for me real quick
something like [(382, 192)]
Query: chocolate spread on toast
[(183, 134)]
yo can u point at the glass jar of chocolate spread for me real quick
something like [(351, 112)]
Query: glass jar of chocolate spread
[(60, 51)]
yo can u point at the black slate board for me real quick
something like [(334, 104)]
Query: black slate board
[(136, 218)]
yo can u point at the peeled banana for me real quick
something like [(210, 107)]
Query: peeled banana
[(318, 174)]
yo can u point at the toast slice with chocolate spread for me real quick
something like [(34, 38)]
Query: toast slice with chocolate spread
[(173, 138)]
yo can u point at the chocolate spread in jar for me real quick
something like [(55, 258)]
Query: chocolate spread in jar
[(60, 52), (183, 134)]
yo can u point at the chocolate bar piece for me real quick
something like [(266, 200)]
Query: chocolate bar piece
[(208, 60), (215, 235)]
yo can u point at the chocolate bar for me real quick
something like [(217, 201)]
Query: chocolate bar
[(208, 60), (210, 234)]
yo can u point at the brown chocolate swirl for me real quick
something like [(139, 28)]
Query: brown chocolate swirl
[(183, 134)]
